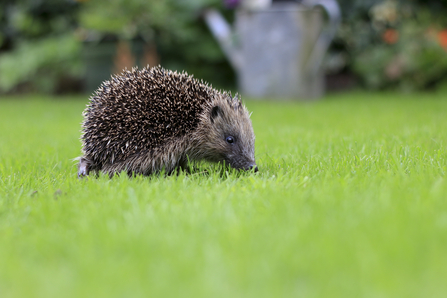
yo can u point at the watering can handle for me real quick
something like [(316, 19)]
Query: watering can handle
[(324, 40)]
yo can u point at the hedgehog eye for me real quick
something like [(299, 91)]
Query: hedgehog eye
[(230, 140)]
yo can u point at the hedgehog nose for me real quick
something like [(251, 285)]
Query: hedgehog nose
[(254, 166)]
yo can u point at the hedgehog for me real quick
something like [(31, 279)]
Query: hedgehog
[(152, 120)]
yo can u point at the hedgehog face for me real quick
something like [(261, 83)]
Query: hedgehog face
[(239, 154), (231, 138)]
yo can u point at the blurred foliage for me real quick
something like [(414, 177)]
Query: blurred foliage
[(40, 65), (37, 49), (175, 27), (41, 40), (128, 19), (385, 43), (395, 44)]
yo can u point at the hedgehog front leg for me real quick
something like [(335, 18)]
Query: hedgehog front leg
[(83, 167)]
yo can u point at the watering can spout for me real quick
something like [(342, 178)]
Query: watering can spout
[(224, 36)]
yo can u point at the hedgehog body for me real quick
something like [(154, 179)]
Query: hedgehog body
[(145, 121)]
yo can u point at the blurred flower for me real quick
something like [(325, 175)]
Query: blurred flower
[(231, 3), (390, 36), (442, 38)]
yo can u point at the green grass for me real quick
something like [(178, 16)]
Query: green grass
[(350, 201)]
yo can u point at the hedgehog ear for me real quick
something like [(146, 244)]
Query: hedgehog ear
[(215, 111)]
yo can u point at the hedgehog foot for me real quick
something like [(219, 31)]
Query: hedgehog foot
[(83, 167)]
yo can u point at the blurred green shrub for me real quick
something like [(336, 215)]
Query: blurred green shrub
[(129, 19), (41, 41), (40, 65), (173, 27), (396, 44), (37, 49)]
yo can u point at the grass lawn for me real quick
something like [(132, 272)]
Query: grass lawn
[(350, 201)]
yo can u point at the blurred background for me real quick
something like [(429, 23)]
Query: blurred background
[(68, 46)]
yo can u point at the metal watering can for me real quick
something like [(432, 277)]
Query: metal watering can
[(277, 51)]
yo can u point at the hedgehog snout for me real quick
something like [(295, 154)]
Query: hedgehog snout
[(242, 163), (246, 161), (250, 167)]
